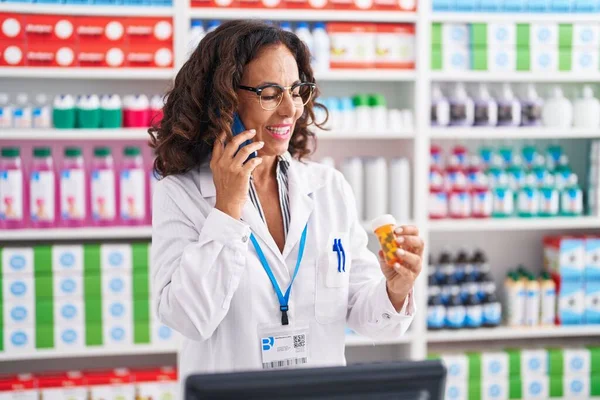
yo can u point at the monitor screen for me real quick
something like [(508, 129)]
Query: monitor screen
[(394, 380)]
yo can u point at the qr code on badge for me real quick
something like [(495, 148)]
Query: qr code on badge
[(299, 341)]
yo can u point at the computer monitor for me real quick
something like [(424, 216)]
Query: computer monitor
[(381, 381)]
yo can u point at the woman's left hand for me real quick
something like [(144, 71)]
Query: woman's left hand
[(401, 277)]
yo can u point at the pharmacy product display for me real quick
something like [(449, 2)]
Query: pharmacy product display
[(512, 6), (339, 45), (573, 263), (501, 106), (503, 182), (59, 41), (121, 383), (379, 186), (89, 111), (461, 292), (357, 5), (510, 47), (59, 191), (538, 373), (594, 179), (75, 297), (529, 300), (363, 113)]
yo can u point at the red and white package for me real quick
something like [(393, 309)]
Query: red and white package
[(112, 384), (22, 387), (100, 30), (45, 28), (144, 56), (395, 46), (50, 54), (149, 30), (352, 45), (101, 55), (11, 54), (11, 27), (67, 385)]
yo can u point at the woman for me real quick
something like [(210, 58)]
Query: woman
[(229, 231)]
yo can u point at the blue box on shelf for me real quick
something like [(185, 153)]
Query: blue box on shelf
[(466, 5), (515, 5), (18, 1), (571, 303), (560, 5), (443, 5), (108, 2), (584, 6), (490, 5), (592, 302), (539, 6)]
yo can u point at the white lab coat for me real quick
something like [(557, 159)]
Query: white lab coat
[(211, 287)]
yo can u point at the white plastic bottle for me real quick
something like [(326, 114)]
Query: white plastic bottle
[(22, 112), (486, 108), (531, 107), (509, 108), (303, 32), (376, 187), (321, 47), (197, 32), (399, 186), (586, 110), (558, 110), (462, 108), (42, 114), (353, 171), (440, 108), (6, 113), (532, 303)]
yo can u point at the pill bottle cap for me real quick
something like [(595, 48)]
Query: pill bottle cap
[(382, 220)]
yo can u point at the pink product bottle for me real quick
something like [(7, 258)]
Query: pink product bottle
[(103, 196), (42, 189), (460, 203), (473, 170), (136, 111), (456, 178), (461, 154), (435, 156), (481, 195), (132, 187), (12, 193), (438, 197), (73, 189)]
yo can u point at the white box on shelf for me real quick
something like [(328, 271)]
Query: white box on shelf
[(117, 285), (534, 362), (158, 390), (19, 339), (576, 387), (117, 333), (457, 389), (16, 288), (61, 393), (19, 313), (535, 387), (576, 361), (502, 34), (544, 59), (67, 259), (502, 59), (586, 34), (68, 311), (494, 389), (116, 257), (543, 34), (17, 261), (455, 35), (456, 58), (494, 365), (69, 337), (585, 59), (162, 334), (68, 285), (21, 395), (571, 303), (121, 392), (116, 310), (457, 366)]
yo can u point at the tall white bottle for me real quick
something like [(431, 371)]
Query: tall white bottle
[(440, 107), (197, 33), (399, 187), (352, 169), (586, 110), (558, 110), (376, 188), (303, 32), (321, 47)]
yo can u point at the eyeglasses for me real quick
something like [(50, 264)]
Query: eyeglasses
[(270, 95)]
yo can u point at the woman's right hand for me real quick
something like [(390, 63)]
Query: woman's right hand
[(230, 174)]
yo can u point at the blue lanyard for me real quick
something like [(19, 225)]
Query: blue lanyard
[(283, 298)]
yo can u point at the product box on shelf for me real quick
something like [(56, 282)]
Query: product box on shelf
[(12, 27), (51, 54), (17, 261), (49, 28), (393, 5), (156, 383), (19, 339), (12, 54), (142, 56), (21, 387), (148, 31), (395, 46), (456, 58), (69, 337), (69, 311), (571, 302), (306, 4), (67, 385), (456, 35), (592, 259), (535, 387), (501, 59), (101, 30), (111, 385), (352, 45), (19, 314), (266, 4), (565, 256)]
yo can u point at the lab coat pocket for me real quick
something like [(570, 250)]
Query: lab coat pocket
[(333, 279)]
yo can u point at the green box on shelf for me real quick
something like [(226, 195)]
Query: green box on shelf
[(523, 59), (515, 387), (44, 337), (44, 288), (594, 360), (436, 58), (523, 32), (44, 311), (478, 35), (479, 59), (565, 59), (565, 36), (436, 33), (594, 385)]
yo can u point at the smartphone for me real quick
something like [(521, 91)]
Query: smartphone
[(238, 127)]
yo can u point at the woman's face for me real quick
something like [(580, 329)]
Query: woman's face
[(274, 64)]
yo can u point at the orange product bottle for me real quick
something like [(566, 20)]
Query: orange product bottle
[(383, 227)]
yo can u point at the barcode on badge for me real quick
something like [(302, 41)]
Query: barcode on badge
[(299, 341), (290, 362)]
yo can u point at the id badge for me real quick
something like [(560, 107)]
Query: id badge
[(284, 346)]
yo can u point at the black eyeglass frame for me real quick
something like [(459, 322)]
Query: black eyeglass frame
[(258, 91)]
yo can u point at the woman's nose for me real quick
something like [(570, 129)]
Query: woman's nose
[(287, 107)]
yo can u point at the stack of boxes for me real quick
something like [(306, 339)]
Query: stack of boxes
[(511, 6), (574, 263), (523, 374), (77, 296), (510, 47), (347, 5)]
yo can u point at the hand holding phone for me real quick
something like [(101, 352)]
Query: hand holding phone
[(238, 127)]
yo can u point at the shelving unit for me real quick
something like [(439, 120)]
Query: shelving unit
[(480, 133), (512, 333), (87, 10), (100, 233), (303, 15), (139, 74), (488, 76), (514, 224)]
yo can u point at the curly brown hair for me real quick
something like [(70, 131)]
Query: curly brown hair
[(203, 99)]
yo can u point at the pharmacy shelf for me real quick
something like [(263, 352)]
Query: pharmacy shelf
[(366, 75), (133, 350), (75, 134), (353, 340), (512, 333), (100, 233), (340, 135), (500, 133), (138, 74), (489, 76), (513, 224), (514, 17), (303, 15), (87, 10)]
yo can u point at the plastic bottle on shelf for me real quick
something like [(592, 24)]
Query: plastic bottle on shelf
[(462, 108), (436, 312), (42, 189), (42, 114), (503, 198), (73, 189), (22, 112), (88, 112), (346, 116), (474, 168), (492, 309), (456, 311), (531, 107), (549, 198), (548, 300), (460, 265), (459, 198), (445, 268), (558, 110), (474, 311), (6, 113), (12, 193), (486, 108), (197, 33), (132, 191), (157, 104), (515, 297), (353, 171), (532, 304), (321, 47), (440, 107), (136, 111), (63, 112), (571, 198), (399, 188), (362, 112), (530, 156), (378, 110), (111, 111), (586, 110), (528, 199), (553, 154), (103, 188), (509, 108), (481, 196), (303, 32)]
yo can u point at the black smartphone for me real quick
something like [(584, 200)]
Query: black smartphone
[(238, 127)]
